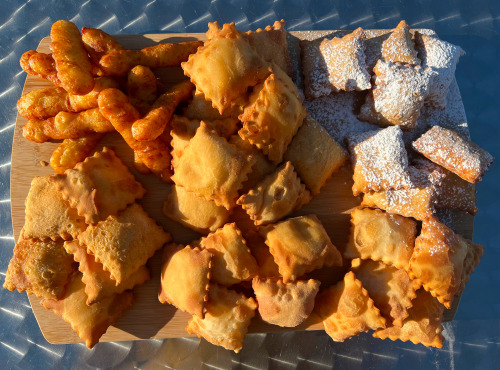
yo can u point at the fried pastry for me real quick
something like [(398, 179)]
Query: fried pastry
[(285, 305), (212, 168), (115, 106), (276, 196), (417, 201), (423, 325), (226, 320), (273, 116), (48, 215), (257, 245), (195, 212), (232, 260), (333, 65), (200, 108), (41, 65), (123, 243), (43, 103), (439, 259), (398, 95), (71, 59), (399, 46), (380, 160), (442, 57), (98, 283), (391, 289), (300, 245), (98, 43), (381, 236), (90, 322), (261, 168), (39, 268), (99, 187), (315, 155), (141, 85), (455, 153), (225, 67), (347, 309), (185, 288), (73, 151)]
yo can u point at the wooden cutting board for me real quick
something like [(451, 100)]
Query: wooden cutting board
[(147, 318)]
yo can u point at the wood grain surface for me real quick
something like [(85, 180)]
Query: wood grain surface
[(148, 318)]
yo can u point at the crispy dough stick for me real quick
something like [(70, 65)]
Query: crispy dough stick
[(139, 165), (72, 62), (141, 84), (115, 106), (41, 65), (45, 103), (153, 125), (98, 43), (67, 125), (119, 62), (72, 151)]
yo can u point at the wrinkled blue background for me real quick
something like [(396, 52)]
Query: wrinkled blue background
[(473, 338)]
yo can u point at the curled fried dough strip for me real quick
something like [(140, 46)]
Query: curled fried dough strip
[(151, 126), (155, 155), (72, 151), (119, 62), (141, 84), (98, 43), (41, 65)]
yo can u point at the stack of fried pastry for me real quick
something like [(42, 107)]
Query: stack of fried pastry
[(238, 137)]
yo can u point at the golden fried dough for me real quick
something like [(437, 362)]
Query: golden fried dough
[(399, 46), (98, 43), (141, 84), (72, 151)]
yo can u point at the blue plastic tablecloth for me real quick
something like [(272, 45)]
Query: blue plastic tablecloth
[(472, 339)]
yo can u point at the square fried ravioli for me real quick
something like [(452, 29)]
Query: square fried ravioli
[(212, 168), (48, 215), (39, 268), (193, 211), (442, 260), (257, 245), (90, 322), (227, 319), (347, 309), (185, 275), (381, 236), (315, 155), (225, 67), (399, 46), (277, 195), (99, 187), (98, 283), (391, 289), (285, 305), (423, 324), (232, 260), (380, 160), (454, 152), (125, 242), (300, 245), (273, 115)]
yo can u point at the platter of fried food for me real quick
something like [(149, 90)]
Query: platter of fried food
[(229, 182)]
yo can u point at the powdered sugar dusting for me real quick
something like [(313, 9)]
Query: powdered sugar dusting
[(399, 47), (336, 114), (380, 160)]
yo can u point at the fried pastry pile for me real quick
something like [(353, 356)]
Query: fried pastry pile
[(85, 244), (236, 136)]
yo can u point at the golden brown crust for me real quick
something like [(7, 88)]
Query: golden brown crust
[(275, 196), (90, 322), (73, 151), (125, 242), (315, 155), (391, 289), (39, 268), (98, 283), (48, 215), (43, 103), (185, 288), (212, 168), (141, 84), (226, 320), (285, 305), (399, 46), (99, 187), (347, 309), (381, 236), (423, 325), (71, 59), (300, 245), (232, 260), (257, 245), (98, 43)]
